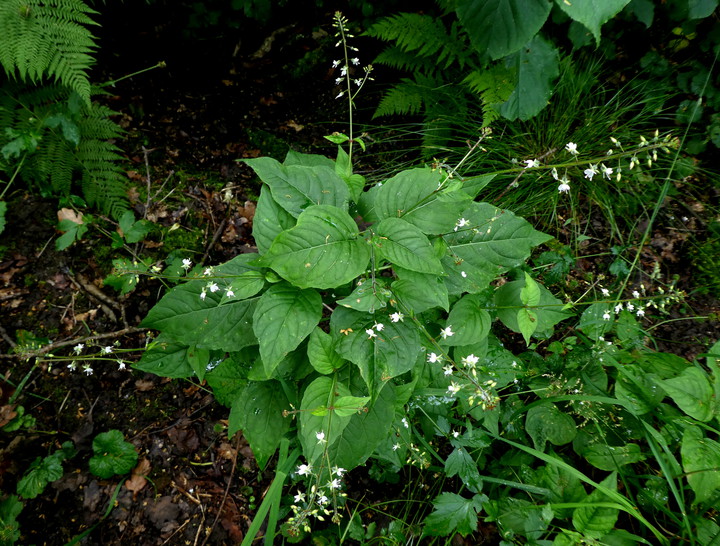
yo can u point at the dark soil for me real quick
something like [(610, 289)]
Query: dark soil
[(186, 125)]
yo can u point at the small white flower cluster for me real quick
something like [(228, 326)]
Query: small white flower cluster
[(86, 367), (629, 306), (316, 501), (372, 332), (347, 65)]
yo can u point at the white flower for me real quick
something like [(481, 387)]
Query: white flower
[(463, 274), (121, 364), (186, 264), (630, 306), (336, 64), (461, 223), (606, 316), (640, 312), (320, 437), (338, 81), (304, 469), (405, 423), (213, 287), (636, 294), (605, 292), (433, 358), (78, 348), (607, 171), (343, 71), (447, 332), (355, 61), (229, 293), (564, 187), (208, 271), (340, 94), (358, 82), (590, 172), (300, 497), (618, 307), (371, 333), (397, 317), (531, 163), (455, 433), (72, 366), (107, 350), (396, 447), (448, 370), (338, 471), (379, 326), (453, 388), (203, 294), (322, 499), (572, 148), (470, 360), (87, 369), (335, 484), (554, 173)]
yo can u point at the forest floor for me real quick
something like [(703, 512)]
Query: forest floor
[(182, 144)]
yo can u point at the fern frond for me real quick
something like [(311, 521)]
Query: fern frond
[(47, 39), (405, 97), (398, 58), (494, 86)]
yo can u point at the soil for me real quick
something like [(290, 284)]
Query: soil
[(185, 129)]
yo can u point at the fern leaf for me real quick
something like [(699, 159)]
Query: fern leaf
[(405, 97), (47, 39), (494, 85)]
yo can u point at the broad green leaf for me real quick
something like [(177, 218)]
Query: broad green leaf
[(284, 317), (700, 9), (500, 27), (320, 394), (692, 392), (258, 412), (637, 391), (10, 509), (343, 168), (536, 65), (324, 249), (322, 354), (270, 219), (701, 463), (592, 13), (420, 291), (548, 311), (307, 160), (349, 405), (593, 520), (244, 286), (527, 321), (453, 513), (42, 471), (227, 379), (404, 245), (494, 241), (521, 517), (365, 431), (592, 322), (198, 360), (460, 463), (644, 10), (369, 296), (607, 457), (469, 321), (112, 455), (297, 187), (184, 314), (530, 293), (413, 196), (547, 423), (166, 357)]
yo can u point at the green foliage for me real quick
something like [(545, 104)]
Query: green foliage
[(112, 455), (43, 471), (10, 509)]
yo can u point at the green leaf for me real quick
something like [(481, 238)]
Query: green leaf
[(3, 210), (320, 395), (500, 27), (227, 379), (284, 317), (322, 354), (198, 360), (592, 322), (403, 244), (547, 423), (700, 9), (204, 323), (259, 413), (637, 391), (460, 463), (369, 296), (413, 196), (420, 291), (349, 405), (692, 392), (596, 521), (10, 509), (607, 457), (527, 321), (270, 219), (244, 286), (453, 513), (701, 463), (592, 13), (548, 311), (166, 357), (536, 65), (324, 249), (644, 10), (530, 293), (297, 187), (112, 455), (365, 431), (469, 321), (41, 472)]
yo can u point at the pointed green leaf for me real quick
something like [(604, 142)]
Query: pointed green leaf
[(500, 27), (638, 391), (322, 354), (284, 316), (405, 245), (460, 463), (592, 13), (453, 513), (420, 291), (692, 392), (530, 293), (527, 322), (369, 296), (258, 412), (320, 394), (166, 357), (536, 65), (227, 379), (350, 405), (606, 457), (198, 360), (701, 463), (297, 187), (324, 249), (469, 321), (270, 219), (596, 521), (547, 312)]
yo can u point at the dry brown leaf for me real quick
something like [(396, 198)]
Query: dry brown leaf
[(7, 414), (70, 214), (143, 385), (137, 480)]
